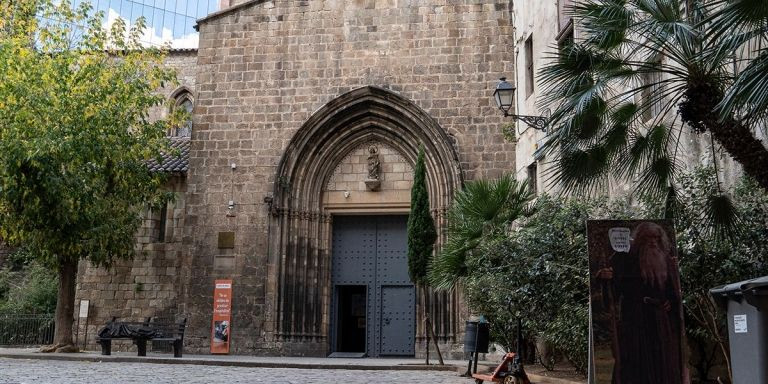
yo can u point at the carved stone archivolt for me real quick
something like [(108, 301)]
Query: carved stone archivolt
[(300, 244)]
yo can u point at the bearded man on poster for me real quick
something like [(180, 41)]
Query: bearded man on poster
[(646, 289)]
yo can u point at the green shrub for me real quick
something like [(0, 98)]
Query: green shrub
[(27, 286), (539, 271)]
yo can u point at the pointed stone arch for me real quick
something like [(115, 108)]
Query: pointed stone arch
[(300, 262), (362, 114), (181, 92)]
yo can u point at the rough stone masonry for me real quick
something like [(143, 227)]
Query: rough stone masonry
[(288, 95)]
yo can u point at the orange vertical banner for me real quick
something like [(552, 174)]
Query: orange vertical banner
[(222, 316)]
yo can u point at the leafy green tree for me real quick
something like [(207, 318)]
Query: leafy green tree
[(482, 211), (421, 226), (539, 273), (75, 137), (644, 71)]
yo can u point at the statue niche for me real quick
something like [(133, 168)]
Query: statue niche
[(373, 182)]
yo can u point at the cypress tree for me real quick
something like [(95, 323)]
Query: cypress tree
[(421, 227)]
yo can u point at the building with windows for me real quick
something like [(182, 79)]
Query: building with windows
[(294, 178), (542, 28), (539, 27)]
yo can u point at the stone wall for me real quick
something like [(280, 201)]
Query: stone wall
[(147, 285), (346, 188), (264, 68), (184, 61)]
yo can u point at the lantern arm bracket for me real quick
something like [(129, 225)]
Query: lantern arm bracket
[(504, 96), (536, 122)]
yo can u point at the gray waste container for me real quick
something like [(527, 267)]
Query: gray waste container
[(476, 335), (746, 304)]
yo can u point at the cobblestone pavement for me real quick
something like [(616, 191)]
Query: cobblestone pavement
[(19, 371)]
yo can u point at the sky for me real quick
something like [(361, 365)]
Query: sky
[(167, 20)]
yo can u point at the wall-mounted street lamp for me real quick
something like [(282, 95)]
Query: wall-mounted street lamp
[(505, 98)]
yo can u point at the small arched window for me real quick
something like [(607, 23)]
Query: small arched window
[(184, 101)]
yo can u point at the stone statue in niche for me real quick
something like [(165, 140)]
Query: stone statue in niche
[(373, 163), (373, 182)]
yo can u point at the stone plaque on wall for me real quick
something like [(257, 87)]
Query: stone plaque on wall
[(226, 240)]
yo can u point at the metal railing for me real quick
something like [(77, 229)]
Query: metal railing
[(26, 330)]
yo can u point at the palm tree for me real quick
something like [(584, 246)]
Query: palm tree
[(645, 71), (480, 212)]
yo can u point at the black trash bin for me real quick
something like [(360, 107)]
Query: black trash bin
[(476, 336), (746, 303)]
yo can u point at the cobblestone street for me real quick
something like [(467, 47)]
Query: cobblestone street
[(19, 371)]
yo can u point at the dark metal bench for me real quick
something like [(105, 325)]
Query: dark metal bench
[(140, 332)]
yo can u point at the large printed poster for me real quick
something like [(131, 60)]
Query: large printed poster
[(637, 315), (222, 313)]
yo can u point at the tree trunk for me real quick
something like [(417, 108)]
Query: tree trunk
[(745, 148), (426, 321), (699, 111), (434, 338), (65, 303)]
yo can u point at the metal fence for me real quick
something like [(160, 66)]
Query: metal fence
[(26, 330)]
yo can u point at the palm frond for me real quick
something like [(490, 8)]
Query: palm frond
[(729, 44), (617, 133), (448, 267), (655, 178), (735, 25), (587, 119), (581, 171), (749, 93), (480, 211), (642, 148), (735, 16), (606, 22), (482, 200), (568, 72), (721, 217)]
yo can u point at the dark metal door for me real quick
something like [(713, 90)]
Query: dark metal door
[(372, 251), (395, 304), (397, 320)]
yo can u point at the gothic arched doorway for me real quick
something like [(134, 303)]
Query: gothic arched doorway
[(323, 174)]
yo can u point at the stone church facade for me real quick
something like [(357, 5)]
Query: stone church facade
[(308, 117)]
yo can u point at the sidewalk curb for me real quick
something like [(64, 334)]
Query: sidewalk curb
[(223, 363), (88, 357)]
